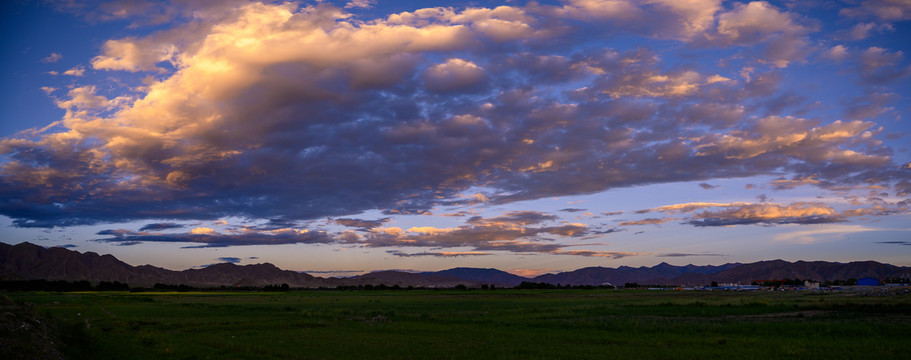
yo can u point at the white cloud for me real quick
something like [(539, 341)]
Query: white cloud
[(52, 58), (76, 71), (886, 10), (454, 74), (360, 4), (837, 53)]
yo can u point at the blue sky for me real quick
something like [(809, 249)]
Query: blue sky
[(341, 137)]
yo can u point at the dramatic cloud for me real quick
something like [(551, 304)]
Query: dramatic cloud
[(288, 114)]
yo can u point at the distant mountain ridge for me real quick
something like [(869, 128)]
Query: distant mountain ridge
[(661, 274), (482, 276), (28, 261)]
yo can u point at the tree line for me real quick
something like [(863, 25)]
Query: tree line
[(83, 285)]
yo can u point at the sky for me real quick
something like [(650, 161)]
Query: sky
[(343, 137)]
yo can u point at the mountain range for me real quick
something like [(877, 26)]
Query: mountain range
[(28, 261)]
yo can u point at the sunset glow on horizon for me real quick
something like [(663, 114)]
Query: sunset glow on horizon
[(342, 137)]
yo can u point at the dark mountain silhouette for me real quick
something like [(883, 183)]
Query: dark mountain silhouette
[(814, 270), (482, 276), (27, 261), (662, 273), (391, 278), (238, 275)]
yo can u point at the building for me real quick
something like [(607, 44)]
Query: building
[(868, 281)]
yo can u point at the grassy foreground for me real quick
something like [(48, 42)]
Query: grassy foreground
[(511, 324)]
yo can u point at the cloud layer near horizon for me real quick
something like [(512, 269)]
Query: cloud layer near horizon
[(291, 113)]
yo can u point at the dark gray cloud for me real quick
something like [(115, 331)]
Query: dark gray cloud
[(437, 254), (686, 255), (204, 240), (708, 186), (908, 243), (803, 220), (514, 217), (608, 231), (159, 227), (572, 210), (229, 259), (647, 221), (593, 253), (879, 66), (333, 271), (360, 223), (871, 105), (115, 232)]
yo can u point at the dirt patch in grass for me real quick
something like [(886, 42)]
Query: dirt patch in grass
[(24, 334)]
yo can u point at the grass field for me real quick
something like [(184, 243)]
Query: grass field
[(502, 324)]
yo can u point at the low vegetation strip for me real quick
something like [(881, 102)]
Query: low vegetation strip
[(501, 324)]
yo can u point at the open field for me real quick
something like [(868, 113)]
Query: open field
[(515, 324)]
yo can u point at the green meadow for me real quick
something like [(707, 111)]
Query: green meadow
[(475, 324)]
